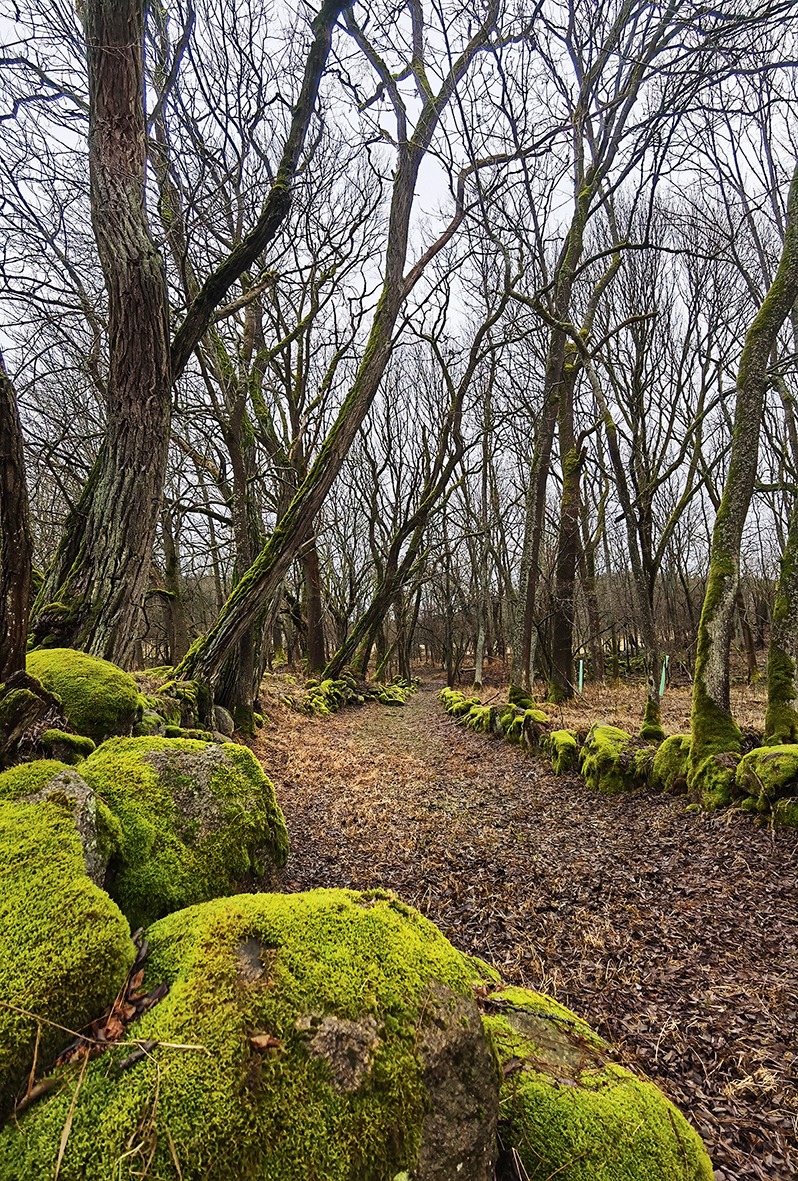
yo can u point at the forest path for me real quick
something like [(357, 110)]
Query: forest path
[(674, 933)]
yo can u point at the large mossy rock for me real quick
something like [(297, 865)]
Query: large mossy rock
[(197, 820), (99, 699), (569, 1111), (339, 1038), (609, 760), (65, 948), (48, 780), (767, 779), (671, 764)]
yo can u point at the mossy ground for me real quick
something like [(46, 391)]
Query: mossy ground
[(570, 1112), (64, 946), (99, 699), (196, 820), (239, 967)]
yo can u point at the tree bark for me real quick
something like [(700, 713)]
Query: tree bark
[(714, 731), (95, 589), (97, 583), (15, 539), (781, 717)]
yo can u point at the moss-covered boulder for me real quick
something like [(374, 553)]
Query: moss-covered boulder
[(197, 820), (767, 780), (337, 1039), (569, 1111), (66, 748), (671, 764), (607, 760), (456, 704), (65, 948), (46, 779), (563, 748), (183, 703), (99, 699)]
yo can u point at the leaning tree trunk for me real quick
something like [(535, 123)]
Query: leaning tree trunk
[(714, 731), (15, 539), (93, 594)]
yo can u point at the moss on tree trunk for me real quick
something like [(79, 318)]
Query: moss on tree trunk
[(714, 731)]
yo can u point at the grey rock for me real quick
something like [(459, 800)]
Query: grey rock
[(223, 721), (84, 810)]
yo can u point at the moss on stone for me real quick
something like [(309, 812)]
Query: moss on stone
[(570, 1112), (785, 812), (197, 821), (194, 703), (69, 748), (768, 774), (27, 778), (608, 760), (671, 764), (480, 718), (521, 697), (713, 778), (564, 751), (345, 990), (99, 699), (65, 948), (456, 703)]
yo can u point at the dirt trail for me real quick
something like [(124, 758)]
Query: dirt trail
[(674, 933)]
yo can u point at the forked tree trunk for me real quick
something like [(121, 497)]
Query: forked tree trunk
[(95, 589), (714, 731), (15, 539)]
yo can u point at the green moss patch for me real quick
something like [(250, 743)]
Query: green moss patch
[(68, 748), (197, 820), (608, 760), (99, 699), (564, 751), (671, 764), (570, 1112), (321, 1018), (766, 777), (27, 778), (65, 948)]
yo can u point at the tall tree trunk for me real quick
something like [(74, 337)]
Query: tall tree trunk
[(178, 628), (313, 606), (781, 718), (714, 731), (15, 539), (98, 580), (561, 678), (99, 576)]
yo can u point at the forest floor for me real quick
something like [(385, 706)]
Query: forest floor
[(674, 933)]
